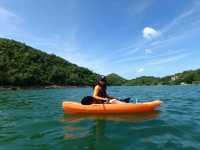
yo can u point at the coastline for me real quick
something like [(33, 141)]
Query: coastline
[(10, 87), (13, 88)]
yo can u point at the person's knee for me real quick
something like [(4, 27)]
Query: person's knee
[(113, 101)]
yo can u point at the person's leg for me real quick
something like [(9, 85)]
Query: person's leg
[(115, 101), (88, 100)]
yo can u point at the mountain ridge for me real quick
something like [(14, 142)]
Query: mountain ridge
[(23, 65)]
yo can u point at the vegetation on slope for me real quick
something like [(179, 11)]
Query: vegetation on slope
[(186, 77), (144, 80), (22, 65), (114, 79)]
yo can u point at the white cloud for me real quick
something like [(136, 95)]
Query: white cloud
[(140, 70), (129, 52), (176, 21), (9, 23), (6, 15), (150, 33), (169, 59), (148, 51), (173, 32), (138, 7)]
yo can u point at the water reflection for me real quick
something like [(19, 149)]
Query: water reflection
[(137, 117), (93, 126)]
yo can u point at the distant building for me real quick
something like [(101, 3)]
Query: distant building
[(183, 83), (173, 78)]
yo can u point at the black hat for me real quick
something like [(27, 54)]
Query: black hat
[(102, 78)]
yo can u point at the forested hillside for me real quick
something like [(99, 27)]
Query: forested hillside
[(22, 65), (114, 79), (186, 77)]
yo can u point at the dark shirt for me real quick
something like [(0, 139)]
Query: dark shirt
[(102, 92)]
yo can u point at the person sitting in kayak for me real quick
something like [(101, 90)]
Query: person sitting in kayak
[(100, 94)]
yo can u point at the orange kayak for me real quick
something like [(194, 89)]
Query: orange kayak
[(78, 108)]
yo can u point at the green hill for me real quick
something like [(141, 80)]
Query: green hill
[(22, 65), (186, 77), (144, 80), (114, 79)]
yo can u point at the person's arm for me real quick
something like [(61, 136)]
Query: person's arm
[(96, 93), (110, 97)]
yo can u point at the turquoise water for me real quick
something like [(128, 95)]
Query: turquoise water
[(33, 119)]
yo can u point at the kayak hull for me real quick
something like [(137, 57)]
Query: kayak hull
[(71, 107)]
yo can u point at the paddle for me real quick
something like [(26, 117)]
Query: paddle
[(127, 100)]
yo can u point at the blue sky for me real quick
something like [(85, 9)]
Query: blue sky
[(128, 37)]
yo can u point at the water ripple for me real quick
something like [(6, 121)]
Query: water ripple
[(34, 118)]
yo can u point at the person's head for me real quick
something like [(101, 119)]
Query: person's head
[(102, 81)]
